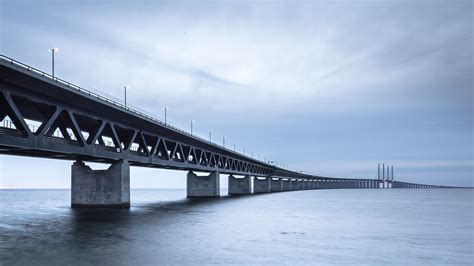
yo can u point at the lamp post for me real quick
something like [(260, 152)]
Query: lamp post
[(223, 141), (192, 122), (210, 135), (125, 94), (166, 109), (53, 50)]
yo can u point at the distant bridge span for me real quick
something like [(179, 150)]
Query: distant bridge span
[(44, 116)]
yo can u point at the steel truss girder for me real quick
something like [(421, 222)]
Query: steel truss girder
[(179, 156)]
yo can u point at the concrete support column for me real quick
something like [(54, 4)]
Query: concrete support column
[(100, 188), (276, 184), (300, 184), (285, 184), (240, 186), (325, 184), (203, 186), (261, 185), (293, 184)]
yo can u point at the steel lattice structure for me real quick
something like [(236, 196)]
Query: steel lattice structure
[(75, 124)]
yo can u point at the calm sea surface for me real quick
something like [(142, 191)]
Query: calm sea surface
[(370, 227)]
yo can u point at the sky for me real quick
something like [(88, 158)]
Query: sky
[(326, 87)]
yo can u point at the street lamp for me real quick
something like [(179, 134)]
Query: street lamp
[(166, 109), (234, 146), (125, 94), (192, 122), (223, 141), (210, 135), (53, 50)]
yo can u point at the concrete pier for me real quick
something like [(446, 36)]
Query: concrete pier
[(294, 184), (203, 186), (261, 185), (100, 188), (286, 185), (316, 184), (300, 184), (321, 184), (240, 186), (275, 184)]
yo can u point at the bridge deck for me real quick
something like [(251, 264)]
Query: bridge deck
[(88, 119)]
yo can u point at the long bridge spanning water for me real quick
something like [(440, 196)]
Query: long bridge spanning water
[(44, 116)]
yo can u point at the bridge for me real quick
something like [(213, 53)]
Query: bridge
[(44, 116)]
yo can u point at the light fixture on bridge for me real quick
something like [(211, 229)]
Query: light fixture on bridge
[(210, 135), (53, 51), (192, 122), (166, 109), (125, 94), (223, 141)]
